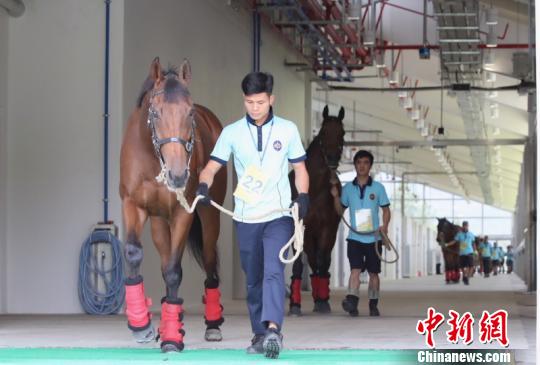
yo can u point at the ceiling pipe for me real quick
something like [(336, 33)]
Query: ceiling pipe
[(14, 8), (434, 46)]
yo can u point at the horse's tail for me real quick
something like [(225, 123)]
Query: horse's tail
[(195, 239)]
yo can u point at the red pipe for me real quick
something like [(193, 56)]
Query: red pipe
[(316, 13), (351, 32), (394, 66)]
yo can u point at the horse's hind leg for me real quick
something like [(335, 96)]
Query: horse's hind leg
[(213, 312), (296, 287), (137, 305)]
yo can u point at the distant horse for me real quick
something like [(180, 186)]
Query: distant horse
[(322, 220), (446, 231), (170, 136)]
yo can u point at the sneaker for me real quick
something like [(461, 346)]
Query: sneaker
[(256, 345), (350, 305), (373, 310), (272, 343)]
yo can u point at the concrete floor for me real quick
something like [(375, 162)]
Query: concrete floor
[(403, 303)]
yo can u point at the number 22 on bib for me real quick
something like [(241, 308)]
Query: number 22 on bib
[(251, 185)]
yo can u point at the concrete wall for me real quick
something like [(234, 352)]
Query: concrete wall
[(217, 40), (3, 157), (54, 145)]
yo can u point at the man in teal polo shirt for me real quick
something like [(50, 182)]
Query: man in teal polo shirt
[(484, 250), (465, 239), (263, 145), (364, 197)]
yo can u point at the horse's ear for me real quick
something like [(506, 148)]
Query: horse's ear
[(325, 112), (185, 72), (155, 70), (341, 114)]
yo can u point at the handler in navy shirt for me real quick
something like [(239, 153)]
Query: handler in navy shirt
[(263, 145)]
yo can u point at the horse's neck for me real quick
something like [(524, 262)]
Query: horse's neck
[(318, 170)]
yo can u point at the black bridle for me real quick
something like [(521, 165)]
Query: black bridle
[(325, 157), (153, 117)]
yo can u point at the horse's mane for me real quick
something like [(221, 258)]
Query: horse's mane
[(313, 145), (174, 89)]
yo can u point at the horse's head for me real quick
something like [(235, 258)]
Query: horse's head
[(444, 230), (331, 137), (172, 121)]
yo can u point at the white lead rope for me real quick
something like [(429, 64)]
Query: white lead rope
[(296, 241), (386, 241)]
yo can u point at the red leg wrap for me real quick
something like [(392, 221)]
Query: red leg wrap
[(324, 288), (315, 286), (137, 307), (296, 297), (170, 327), (213, 310)]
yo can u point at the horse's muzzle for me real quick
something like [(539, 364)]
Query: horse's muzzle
[(177, 181)]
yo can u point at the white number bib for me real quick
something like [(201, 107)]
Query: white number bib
[(251, 185), (363, 219)]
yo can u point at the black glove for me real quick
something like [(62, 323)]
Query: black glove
[(202, 189), (303, 204)]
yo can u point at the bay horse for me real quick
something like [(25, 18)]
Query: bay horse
[(168, 135), (446, 231), (322, 220)]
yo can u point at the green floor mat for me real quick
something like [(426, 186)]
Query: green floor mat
[(119, 356)]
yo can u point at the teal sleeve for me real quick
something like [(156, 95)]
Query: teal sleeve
[(383, 198), (345, 196)]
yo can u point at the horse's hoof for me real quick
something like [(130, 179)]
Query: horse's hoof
[(172, 346), (213, 335), (295, 311), (322, 307), (146, 335)]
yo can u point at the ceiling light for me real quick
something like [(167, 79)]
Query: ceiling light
[(355, 9), (369, 37), (491, 16), (379, 60), (394, 78), (491, 39), (414, 113), (489, 57)]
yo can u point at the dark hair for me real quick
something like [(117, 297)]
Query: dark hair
[(363, 153), (258, 82), (465, 223)]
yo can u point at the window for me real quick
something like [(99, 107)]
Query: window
[(496, 226), (463, 208), (490, 211)]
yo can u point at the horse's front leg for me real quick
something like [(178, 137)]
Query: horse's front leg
[(171, 325), (326, 242), (213, 312), (137, 305)]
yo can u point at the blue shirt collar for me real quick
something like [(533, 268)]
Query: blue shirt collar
[(369, 182), (268, 119)]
